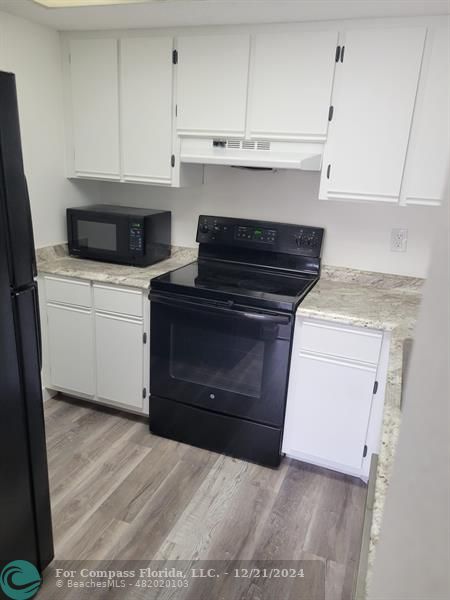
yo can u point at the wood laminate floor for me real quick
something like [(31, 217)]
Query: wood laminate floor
[(119, 492)]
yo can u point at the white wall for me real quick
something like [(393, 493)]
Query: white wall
[(357, 235), (33, 53), (413, 555)]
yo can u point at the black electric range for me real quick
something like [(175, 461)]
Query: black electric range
[(222, 330), (240, 284)]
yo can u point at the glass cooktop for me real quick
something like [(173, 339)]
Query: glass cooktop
[(239, 283)]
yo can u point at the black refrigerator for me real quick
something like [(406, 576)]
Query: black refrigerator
[(25, 518)]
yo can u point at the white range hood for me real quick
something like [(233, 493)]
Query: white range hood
[(266, 154)]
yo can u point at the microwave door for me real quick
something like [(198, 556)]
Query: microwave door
[(97, 236)]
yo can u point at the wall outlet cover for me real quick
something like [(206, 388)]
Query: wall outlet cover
[(399, 240)]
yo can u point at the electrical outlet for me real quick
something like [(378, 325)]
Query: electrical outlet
[(399, 240)]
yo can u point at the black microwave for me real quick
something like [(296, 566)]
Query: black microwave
[(120, 234)]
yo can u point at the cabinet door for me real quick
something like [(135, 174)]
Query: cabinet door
[(328, 410), (291, 81), (212, 78), (119, 359), (429, 147), (71, 348), (95, 107), (146, 108), (375, 91)]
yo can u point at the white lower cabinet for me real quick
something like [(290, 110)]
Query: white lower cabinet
[(71, 348), (99, 350), (119, 359), (336, 395)]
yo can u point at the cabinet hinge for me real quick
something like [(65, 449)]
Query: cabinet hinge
[(328, 171), (144, 393), (330, 113), (342, 54), (338, 53), (175, 57), (144, 337), (375, 388), (172, 160), (365, 451)]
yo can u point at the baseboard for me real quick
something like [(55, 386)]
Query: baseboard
[(47, 394)]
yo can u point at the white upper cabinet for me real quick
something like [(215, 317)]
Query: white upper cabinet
[(428, 156), (212, 81), (95, 107), (133, 115), (290, 85), (373, 99), (146, 108)]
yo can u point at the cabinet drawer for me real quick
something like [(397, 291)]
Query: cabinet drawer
[(354, 344), (118, 300), (68, 291)]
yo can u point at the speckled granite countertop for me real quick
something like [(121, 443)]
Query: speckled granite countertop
[(378, 301), (54, 260), (348, 296)]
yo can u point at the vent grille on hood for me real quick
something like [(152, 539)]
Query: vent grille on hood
[(261, 153), (238, 144)]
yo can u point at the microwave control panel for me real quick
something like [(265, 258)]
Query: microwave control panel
[(136, 238)]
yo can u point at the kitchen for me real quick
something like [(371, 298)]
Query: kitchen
[(289, 172)]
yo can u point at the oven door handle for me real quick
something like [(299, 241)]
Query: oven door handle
[(267, 318), (201, 306)]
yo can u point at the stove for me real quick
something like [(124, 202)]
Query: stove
[(222, 330), (254, 286)]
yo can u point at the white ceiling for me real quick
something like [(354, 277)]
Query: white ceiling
[(172, 13)]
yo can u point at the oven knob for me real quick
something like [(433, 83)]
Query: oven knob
[(212, 396), (204, 228)]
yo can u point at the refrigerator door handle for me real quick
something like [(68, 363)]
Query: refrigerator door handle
[(38, 326), (30, 229)]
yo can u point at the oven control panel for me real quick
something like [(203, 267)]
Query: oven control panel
[(255, 234), (260, 235)]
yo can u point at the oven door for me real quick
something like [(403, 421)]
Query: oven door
[(100, 236), (214, 356)]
